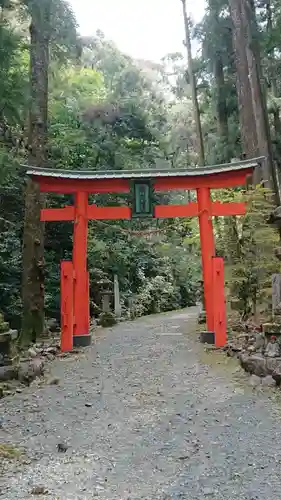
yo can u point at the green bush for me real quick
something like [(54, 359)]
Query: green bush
[(107, 319)]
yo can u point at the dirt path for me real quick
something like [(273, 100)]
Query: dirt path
[(144, 418)]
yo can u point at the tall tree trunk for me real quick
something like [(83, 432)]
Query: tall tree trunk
[(218, 71), (277, 122), (258, 94), (33, 238), (192, 81), (275, 93), (271, 55), (221, 101), (245, 106), (251, 96)]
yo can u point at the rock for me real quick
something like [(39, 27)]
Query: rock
[(276, 375), (268, 368), (275, 216), (274, 369), (268, 381), (254, 364), (54, 381), (62, 447), (51, 350), (29, 371), (232, 349), (51, 325), (13, 334), (208, 492), (5, 345), (32, 352), (273, 364), (251, 349), (278, 253), (8, 373), (254, 380), (39, 490)]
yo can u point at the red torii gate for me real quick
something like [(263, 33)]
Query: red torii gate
[(74, 275)]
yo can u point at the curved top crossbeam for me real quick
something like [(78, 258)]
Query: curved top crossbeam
[(222, 176), (144, 174)]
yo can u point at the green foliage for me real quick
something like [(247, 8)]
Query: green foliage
[(104, 115), (4, 326), (107, 319), (107, 112), (251, 253)]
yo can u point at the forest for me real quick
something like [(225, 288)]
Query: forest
[(72, 102)]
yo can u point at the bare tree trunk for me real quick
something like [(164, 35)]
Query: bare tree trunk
[(33, 238), (221, 102), (245, 106), (251, 97), (271, 55), (277, 122), (192, 81), (258, 95), (275, 93)]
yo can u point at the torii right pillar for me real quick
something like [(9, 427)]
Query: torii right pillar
[(207, 250)]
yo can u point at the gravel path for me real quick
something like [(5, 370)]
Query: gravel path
[(144, 418)]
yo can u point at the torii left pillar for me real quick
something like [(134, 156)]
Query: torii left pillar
[(81, 328), (207, 250)]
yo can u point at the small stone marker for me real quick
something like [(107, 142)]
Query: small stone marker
[(117, 305), (106, 302), (276, 293)]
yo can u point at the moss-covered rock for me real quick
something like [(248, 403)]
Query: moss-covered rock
[(107, 319), (4, 327)]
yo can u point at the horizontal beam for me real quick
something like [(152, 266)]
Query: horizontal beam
[(161, 211), (93, 213), (191, 210), (217, 180), (69, 186), (57, 214), (170, 211), (227, 209), (213, 181), (108, 213)]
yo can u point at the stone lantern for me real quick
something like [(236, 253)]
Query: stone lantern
[(106, 292)]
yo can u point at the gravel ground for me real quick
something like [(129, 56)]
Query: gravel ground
[(144, 418)]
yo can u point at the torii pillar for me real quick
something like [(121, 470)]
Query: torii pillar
[(81, 326), (207, 249)]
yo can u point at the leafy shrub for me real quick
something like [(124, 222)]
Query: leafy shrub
[(107, 319)]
